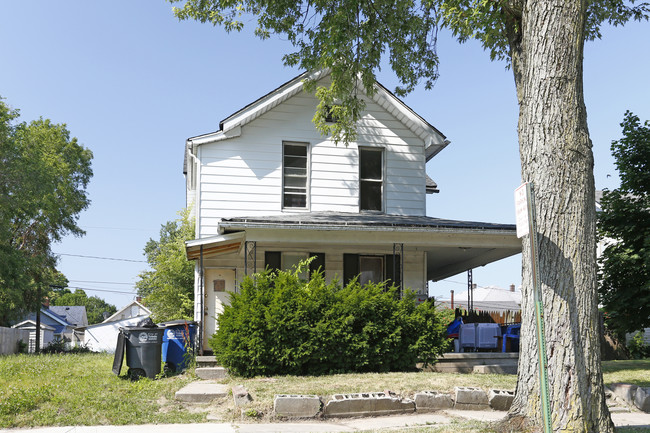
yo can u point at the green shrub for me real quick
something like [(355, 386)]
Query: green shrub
[(637, 347), (279, 324)]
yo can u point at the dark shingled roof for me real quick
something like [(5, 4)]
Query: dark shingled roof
[(375, 220), (431, 185), (72, 314)]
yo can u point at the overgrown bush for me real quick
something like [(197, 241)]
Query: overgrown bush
[(279, 324), (637, 347)]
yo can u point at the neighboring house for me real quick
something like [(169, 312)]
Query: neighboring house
[(102, 337), (268, 190), (47, 334), (62, 328), (490, 298)]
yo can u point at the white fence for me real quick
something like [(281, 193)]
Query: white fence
[(9, 338)]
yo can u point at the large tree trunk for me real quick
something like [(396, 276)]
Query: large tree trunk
[(556, 155)]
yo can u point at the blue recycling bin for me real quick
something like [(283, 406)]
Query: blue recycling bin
[(177, 344)]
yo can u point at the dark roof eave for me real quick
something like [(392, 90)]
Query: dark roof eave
[(361, 222)]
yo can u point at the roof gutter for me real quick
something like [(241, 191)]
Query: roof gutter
[(358, 227)]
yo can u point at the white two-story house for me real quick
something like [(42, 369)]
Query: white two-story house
[(268, 190)]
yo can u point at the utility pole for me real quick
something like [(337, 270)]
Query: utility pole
[(37, 349)]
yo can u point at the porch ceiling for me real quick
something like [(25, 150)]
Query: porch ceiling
[(214, 245)]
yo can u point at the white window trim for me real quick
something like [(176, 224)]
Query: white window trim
[(308, 183), (383, 177)]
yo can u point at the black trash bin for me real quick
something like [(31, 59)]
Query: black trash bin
[(143, 347)]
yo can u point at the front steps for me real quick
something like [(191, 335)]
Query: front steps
[(207, 389)]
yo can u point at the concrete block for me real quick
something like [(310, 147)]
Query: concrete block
[(427, 401), (367, 404), (470, 398), (624, 391), (241, 396), (500, 399), (297, 406), (642, 399), (211, 373)]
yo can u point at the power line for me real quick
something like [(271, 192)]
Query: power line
[(101, 282), (101, 290), (117, 228), (101, 258)]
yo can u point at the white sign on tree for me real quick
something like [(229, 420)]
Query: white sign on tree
[(521, 211)]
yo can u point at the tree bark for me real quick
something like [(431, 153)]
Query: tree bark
[(556, 155)]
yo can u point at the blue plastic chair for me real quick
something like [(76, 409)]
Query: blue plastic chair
[(512, 331)]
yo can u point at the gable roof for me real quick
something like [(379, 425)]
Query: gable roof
[(127, 306), (30, 324), (230, 127), (75, 315), (54, 316)]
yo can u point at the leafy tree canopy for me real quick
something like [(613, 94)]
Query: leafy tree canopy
[(168, 289), (625, 224), (351, 38), (43, 183), (95, 306)]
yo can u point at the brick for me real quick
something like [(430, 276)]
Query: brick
[(471, 398), (642, 399), (367, 404), (624, 391), (427, 401), (500, 399), (241, 396), (297, 406)]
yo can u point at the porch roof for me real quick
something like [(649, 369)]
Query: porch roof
[(452, 246), (373, 221), (220, 244)]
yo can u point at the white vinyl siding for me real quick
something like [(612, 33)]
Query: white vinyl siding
[(242, 176)]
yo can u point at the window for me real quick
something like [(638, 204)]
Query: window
[(371, 179), (372, 268), (331, 117), (294, 175)]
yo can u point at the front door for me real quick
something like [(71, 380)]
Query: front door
[(219, 284)]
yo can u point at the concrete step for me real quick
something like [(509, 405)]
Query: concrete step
[(206, 361), (211, 373), (201, 392)]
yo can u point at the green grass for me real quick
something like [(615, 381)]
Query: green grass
[(636, 372), (80, 389), (56, 390)]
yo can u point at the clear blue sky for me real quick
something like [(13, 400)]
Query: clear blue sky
[(132, 83)]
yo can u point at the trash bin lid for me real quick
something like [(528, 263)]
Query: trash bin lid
[(176, 323)]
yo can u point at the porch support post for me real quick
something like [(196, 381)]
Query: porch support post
[(250, 257), (201, 302), (470, 291), (398, 250)]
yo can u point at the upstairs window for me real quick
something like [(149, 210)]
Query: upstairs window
[(295, 175), (371, 179)]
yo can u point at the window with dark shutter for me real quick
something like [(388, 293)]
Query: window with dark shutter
[(317, 264), (371, 179), (273, 260)]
